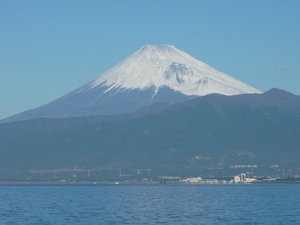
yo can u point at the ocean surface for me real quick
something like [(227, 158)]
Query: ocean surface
[(147, 204)]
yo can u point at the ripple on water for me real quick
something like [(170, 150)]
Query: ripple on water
[(160, 204)]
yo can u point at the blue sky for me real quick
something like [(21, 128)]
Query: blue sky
[(48, 48)]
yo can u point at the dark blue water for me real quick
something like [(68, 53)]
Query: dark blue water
[(161, 204)]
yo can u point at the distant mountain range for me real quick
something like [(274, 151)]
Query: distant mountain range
[(212, 135), (159, 110), (155, 73)]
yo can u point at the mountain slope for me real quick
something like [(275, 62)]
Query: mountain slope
[(206, 135), (152, 74), (166, 66)]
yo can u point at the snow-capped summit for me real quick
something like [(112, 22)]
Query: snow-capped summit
[(154, 73), (166, 66)]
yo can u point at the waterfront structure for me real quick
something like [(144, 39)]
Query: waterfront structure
[(192, 180), (243, 179)]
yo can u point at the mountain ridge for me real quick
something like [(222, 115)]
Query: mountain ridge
[(165, 65), (154, 73), (219, 131)]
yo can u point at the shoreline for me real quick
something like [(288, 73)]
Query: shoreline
[(115, 183)]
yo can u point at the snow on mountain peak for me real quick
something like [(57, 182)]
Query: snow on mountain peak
[(166, 66)]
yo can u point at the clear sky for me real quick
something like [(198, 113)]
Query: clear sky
[(48, 48)]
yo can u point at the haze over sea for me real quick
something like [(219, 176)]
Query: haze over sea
[(147, 204)]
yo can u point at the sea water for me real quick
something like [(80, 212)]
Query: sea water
[(150, 204)]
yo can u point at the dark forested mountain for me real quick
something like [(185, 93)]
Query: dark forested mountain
[(209, 135)]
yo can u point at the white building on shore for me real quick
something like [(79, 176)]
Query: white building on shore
[(192, 180), (243, 179)]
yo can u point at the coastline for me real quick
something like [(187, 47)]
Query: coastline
[(115, 183)]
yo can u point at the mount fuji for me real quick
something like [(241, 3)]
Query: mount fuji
[(154, 73)]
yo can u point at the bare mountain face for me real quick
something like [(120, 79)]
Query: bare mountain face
[(155, 73)]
